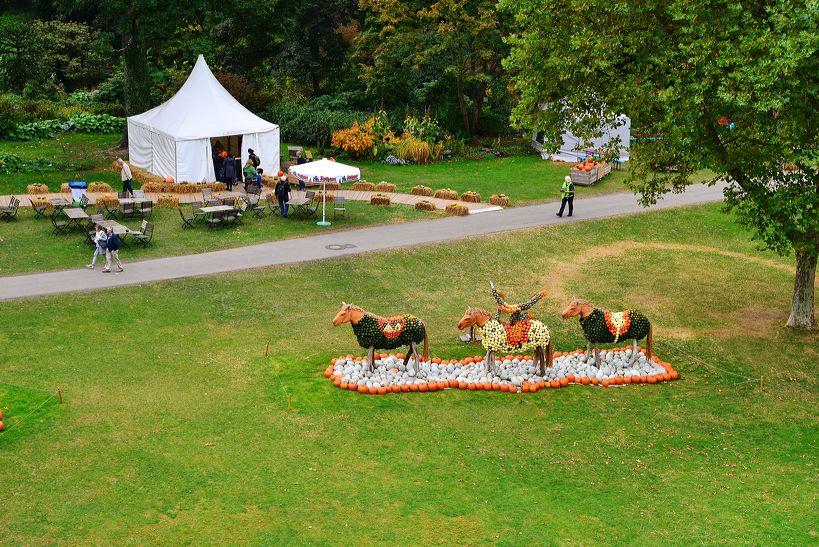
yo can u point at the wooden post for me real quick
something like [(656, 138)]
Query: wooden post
[(761, 383), (60, 393), (521, 395), (266, 349), (289, 406)]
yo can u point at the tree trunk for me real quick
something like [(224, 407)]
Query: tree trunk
[(802, 303), (135, 74), (462, 105), (477, 108)]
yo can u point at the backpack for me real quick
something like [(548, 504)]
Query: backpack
[(255, 159), (113, 243), (103, 243)]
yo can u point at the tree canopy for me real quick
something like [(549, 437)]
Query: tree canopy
[(731, 87)]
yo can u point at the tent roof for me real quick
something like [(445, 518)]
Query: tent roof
[(202, 108), (325, 170)]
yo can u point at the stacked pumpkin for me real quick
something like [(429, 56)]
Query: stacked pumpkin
[(586, 166), (2, 425)]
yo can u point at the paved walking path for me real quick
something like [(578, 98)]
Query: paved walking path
[(340, 243)]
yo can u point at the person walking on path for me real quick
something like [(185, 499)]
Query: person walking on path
[(99, 246), (112, 251), (127, 178), (282, 192), (567, 195)]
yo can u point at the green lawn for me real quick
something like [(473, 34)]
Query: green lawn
[(29, 245), (176, 428)]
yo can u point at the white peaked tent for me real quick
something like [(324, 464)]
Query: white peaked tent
[(173, 139), (572, 147)]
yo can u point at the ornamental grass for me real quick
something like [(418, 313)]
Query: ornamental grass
[(501, 200), (446, 193), (421, 190), (425, 205), (379, 199), (384, 187), (471, 197), (364, 186), (99, 187), (166, 200), (108, 199), (457, 209), (37, 188)]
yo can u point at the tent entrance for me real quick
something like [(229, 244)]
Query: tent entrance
[(230, 143)]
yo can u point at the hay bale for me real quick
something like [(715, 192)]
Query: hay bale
[(37, 202), (457, 209), (332, 186), (421, 190), (65, 188), (471, 197), (385, 187), (446, 193), (166, 200), (37, 188), (499, 199), (108, 199), (425, 205), (317, 197), (379, 199), (99, 187), (364, 186)]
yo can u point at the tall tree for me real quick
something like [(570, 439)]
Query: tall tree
[(462, 39), (21, 48), (731, 86)]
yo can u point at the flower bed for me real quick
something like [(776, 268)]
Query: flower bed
[(37, 188), (446, 193), (512, 374), (364, 186), (501, 200), (166, 200), (421, 190), (379, 199), (425, 205), (472, 197), (384, 187), (457, 209)]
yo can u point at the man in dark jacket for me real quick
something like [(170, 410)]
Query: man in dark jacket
[(253, 157), (282, 192), (112, 251), (230, 172)]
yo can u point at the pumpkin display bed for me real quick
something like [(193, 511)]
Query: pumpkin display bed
[(512, 374)]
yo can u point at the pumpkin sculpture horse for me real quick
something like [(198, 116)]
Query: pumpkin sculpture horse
[(374, 332), (605, 327)]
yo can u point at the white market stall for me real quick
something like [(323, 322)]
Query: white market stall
[(573, 147), (174, 139), (322, 172)]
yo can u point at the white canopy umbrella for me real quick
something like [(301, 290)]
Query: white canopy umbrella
[(324, 171)]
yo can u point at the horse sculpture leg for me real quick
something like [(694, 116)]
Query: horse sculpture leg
[(371, 358), (414, 350), (490, 361), (596, 355), (540, 361), (633, 352), (588, 351)]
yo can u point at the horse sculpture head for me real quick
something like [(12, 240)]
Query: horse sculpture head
[(576, 307), (349, 313), (473, 316)]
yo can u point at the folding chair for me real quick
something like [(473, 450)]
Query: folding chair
[(110, 211), (39, 210), (60, 226), (187, 221), (146, 209), (139, 193), (215, 220), (10, 212), (146, 235), (128, 210), (338, 206), (273, 205)]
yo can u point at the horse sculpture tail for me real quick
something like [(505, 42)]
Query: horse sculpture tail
[(425, 355), (650, 342)]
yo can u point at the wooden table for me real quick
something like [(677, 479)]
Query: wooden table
[(216, 208), (118, 228), (59, 203), (299, 206), (75, 215)]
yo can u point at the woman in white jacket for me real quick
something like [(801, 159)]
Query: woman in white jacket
[(99, 246)]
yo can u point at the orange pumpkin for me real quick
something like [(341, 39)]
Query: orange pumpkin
[(328, 372), (585, 380), (405, 388), (2, 425), (337, 381), (595, 381), (674, 374), (382, 390), (413, 387), (432, 386), (564, 382), (570, 377), (667, 377), (652, 379), (525, 387), (555, 384), (453, 383), (362, 389), (423, 388), (606, 383)]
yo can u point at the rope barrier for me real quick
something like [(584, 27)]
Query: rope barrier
[(18, 421), (713, 368)]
